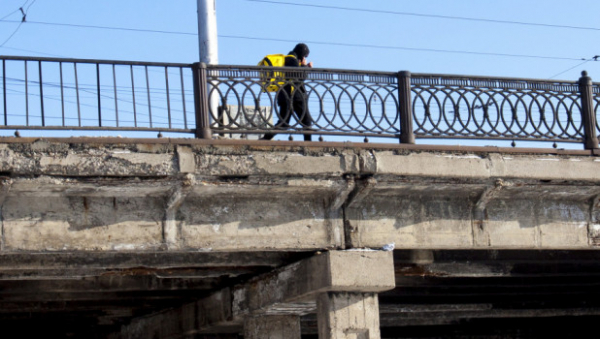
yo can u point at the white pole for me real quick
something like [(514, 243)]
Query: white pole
[(209, 53), (207, 32)]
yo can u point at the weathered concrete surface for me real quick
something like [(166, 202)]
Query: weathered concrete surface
[(348, 316), (299, 283), (96, 233), (99, 194), (290, 291), (272, 327)]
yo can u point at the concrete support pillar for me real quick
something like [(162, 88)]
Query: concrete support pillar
[(272, 327), (348, 315)]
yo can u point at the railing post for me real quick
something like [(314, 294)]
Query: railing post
[(201, 101), (405, 108), (588, 116)]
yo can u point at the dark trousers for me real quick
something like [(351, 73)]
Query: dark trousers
[(300, 109)]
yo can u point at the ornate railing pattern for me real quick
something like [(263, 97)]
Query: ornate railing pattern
[(339, 102), (49, 93), (477, 107), (596, 105)]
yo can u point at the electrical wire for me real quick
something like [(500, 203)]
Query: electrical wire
[(32, 51), (329, 43), (13, 34), (565, 71), (24, 12), (404, 48), (106, 27), (9, 14), (449, 17)]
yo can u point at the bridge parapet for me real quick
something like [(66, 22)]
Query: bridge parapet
[(129, 195), (71, 94)]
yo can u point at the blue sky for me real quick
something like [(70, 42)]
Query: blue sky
[(407, 37), (551, 39)]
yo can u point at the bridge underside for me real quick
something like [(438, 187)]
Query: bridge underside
[(171, 238)]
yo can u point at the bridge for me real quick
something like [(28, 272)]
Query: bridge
[(213, 237)]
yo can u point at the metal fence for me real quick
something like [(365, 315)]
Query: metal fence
[(45, 93)]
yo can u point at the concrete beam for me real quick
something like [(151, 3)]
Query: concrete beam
[(77, 265), (93, 195), (213, 311), (514, 215), (288, 291), (492, 165), (335, 271)]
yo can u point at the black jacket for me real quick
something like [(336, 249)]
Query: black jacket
[(296, 78)]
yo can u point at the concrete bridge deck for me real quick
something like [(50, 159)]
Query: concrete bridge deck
[(102, 236)]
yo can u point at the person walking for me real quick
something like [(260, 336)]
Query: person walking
[(293, 97)]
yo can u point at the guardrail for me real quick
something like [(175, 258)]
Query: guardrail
[(46, 93), (72, 94)]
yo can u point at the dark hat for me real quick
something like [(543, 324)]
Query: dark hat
[(301, 50)]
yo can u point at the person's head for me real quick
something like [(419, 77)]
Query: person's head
[(301, 51)]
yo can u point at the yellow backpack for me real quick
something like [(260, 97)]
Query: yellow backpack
[(271, 81)]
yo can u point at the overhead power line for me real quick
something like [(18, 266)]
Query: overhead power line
[(404, 48), (565, 71), (104, 27), (449, 17), (313, 42), (23, 19), (329, 43)]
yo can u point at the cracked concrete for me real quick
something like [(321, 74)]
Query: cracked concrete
[(190, 196)]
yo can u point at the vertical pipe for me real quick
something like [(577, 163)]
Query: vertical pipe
[(133, 95), (116, 101), (26, 95), (77, 94), (62, 93), (168, 98), (4, 90), (588, 116), (41, 93), (201, 101), (148, 94), (99, 98), (183, 97), (405, 108)]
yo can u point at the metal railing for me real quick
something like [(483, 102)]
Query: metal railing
[(61, 94), (45, 93)]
